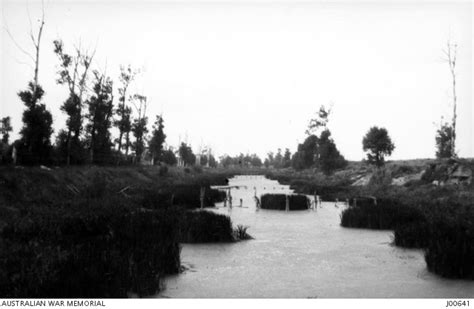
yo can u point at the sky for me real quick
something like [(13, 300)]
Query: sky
[(248, 76)]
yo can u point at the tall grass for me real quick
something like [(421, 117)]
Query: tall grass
[(104, 248), (450, 247), (99, 232), (384, 214), (184, 195), (240, 233), (443, 227), (205, 227)]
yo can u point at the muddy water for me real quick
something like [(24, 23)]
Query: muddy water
[(303, 254)]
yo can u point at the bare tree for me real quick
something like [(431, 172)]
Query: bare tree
[(36, 40), (35, 146), (451, 53)]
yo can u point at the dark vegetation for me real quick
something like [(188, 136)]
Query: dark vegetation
[(100, 232), (329, 188), (438, 219), (88, 248), (278, 202), (378, 144), (318, 149), (384, 214), (106, 233), (443, 227), (205, 226)]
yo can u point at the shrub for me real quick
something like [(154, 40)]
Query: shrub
[(240, 233)]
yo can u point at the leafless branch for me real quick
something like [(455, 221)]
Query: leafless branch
[(29, 18), (16, 43), (24, 63)]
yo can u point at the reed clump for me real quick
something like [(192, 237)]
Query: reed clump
[(278, 202), (442, 226), (449, 251), (378, 214), (205, 227), (240, 233), (88, 248)]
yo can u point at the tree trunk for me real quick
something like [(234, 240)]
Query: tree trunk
[(68, 149), (37, 46), (127, 143)]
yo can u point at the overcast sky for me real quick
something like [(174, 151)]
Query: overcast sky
[(248, 76)]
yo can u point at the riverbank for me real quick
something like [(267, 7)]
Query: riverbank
[(101, 232), (427, 203), (87, 231)]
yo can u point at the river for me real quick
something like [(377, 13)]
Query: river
[(303, 254)]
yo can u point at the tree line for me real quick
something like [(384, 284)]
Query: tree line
[(92, 111)]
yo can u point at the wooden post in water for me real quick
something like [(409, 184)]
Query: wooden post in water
[(257, 203), (315, 201)]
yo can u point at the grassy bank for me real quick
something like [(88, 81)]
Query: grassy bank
[(100, 232)]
